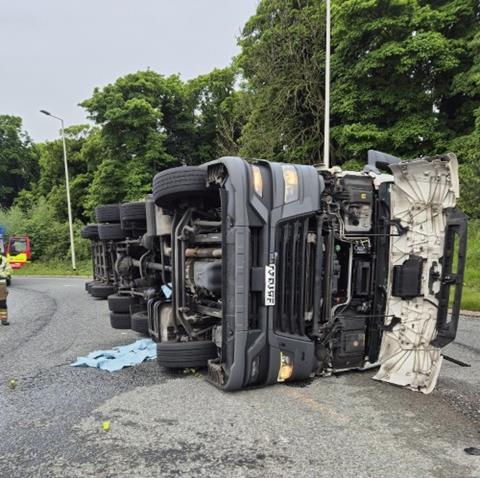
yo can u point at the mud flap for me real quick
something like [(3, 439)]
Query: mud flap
[(423, 197)]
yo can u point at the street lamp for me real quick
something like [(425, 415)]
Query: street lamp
[(67, 183), (326, 131)]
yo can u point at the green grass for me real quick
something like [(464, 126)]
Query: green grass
[(471, 288), (40, 268)]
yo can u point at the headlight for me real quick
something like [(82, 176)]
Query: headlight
[(290, 179), (257, 180), (286, 367)]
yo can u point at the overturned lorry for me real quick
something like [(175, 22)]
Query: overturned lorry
[(266, 272)]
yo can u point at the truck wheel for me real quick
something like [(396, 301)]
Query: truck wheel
[(176, 184), (133, 217), (119, 320), (133, 211), (101, 291), (90, 284), (108, 213), (110, 232), (90, 231), (140, 322), (120, 303), (185, 354)]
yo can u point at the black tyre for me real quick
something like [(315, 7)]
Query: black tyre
[(140, 322), (133, 218), (90, 284), (177, 184), (120, 303), (9, 281), (108, 213), (133, 211), (119, 320), (111, 232), (90, 231), (101, 291), (185, 354)]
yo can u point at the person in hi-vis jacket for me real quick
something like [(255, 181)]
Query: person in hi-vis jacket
[(4, 274)]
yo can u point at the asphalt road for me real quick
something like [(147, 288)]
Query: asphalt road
[(171, 425)]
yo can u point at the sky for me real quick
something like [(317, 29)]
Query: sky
[(53, 53)]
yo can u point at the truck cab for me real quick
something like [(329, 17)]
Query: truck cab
[(271, 272), (267, 272)]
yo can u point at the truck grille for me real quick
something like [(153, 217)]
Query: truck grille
[(295, 275)]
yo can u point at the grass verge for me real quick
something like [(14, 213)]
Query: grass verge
[(39, 268), (471, 288)]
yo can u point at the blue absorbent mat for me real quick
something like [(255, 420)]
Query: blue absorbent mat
[(167, 290), (119, 357)]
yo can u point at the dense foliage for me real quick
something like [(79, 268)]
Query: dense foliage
[(150, 122), (18, 159), (405, 80)]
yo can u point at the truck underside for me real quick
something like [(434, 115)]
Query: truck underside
[(268, 272)]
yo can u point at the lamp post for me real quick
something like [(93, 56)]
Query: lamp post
[(326, 131), (67, 184)]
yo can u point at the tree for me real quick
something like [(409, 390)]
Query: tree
[(146, 126), (84, 154), (404, 77), (234, 113), (467, 148), (150, 122), (212, 104), (394, 68), (18, 159), (283, 60)]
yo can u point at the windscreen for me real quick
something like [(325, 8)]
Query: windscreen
[(17, 246)]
